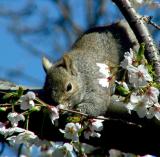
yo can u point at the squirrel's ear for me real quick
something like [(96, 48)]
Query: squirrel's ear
[(46, 64), (68, 64)]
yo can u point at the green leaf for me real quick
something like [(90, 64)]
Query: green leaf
[(20, 91), (140, 54), (8, 95), (36, 108), (3, 109), (74, 119), (156, 85), (122, 91), (13, 96), (150, 70)]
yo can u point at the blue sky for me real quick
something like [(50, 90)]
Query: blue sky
[(15, 56)]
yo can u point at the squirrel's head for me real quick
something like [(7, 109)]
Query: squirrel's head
[(62, 84)]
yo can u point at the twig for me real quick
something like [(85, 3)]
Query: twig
[(86, 115), (66, 15), (148, 20), (102, 118)]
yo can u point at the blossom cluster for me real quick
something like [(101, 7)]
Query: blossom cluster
[(140, 93), (16, 135), (140, 90), (31, 142)]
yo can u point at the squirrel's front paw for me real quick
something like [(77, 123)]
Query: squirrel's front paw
[(88, 109)]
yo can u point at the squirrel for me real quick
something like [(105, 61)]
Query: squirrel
[(73, 80)]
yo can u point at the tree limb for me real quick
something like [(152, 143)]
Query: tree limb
[(141, 32)]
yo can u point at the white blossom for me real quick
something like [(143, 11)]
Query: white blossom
[(104, 82), (142, 105), (130, 106), (94, 126), (22, 155), (137, 104), (97, 124), (14, 118), (64, 151), (128, 59), (62, 106), (151, 96), (104, 69), (135, 98), (89, 133), (26, 137), (9, 131), (54, 113), (27, 101), (154, 111), (138, 76), (88, 149), (140, 1), (71, 131), (148, 155), (141, 110)]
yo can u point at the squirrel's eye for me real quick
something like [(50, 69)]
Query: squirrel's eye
[(69, 87)]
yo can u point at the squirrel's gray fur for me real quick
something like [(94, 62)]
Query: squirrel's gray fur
[(73, 80)]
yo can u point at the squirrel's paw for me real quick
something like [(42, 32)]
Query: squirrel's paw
[(88, 108)]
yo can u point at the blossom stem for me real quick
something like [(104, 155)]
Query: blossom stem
[(102, 118), (89, 116), (41, 102), (27, 122)]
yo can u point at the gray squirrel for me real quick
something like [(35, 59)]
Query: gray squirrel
[(73, 80)]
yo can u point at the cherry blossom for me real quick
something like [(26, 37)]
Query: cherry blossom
[(154, 111), (26, 137), (142, 105), (61, 106), (128, 59), (54, 113), (97, 124), (94, 126), (138, 76), (151, 95), (148, 155), (137, 104), (140, 1), (71, 131), (14, 118), (64, 151), (104, 69), (9, 131), (90, 133), (27, 101)]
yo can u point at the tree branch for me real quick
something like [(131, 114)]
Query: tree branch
[(142, 33)]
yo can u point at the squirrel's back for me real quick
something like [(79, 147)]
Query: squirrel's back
[(73, 80), (103, 45)]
